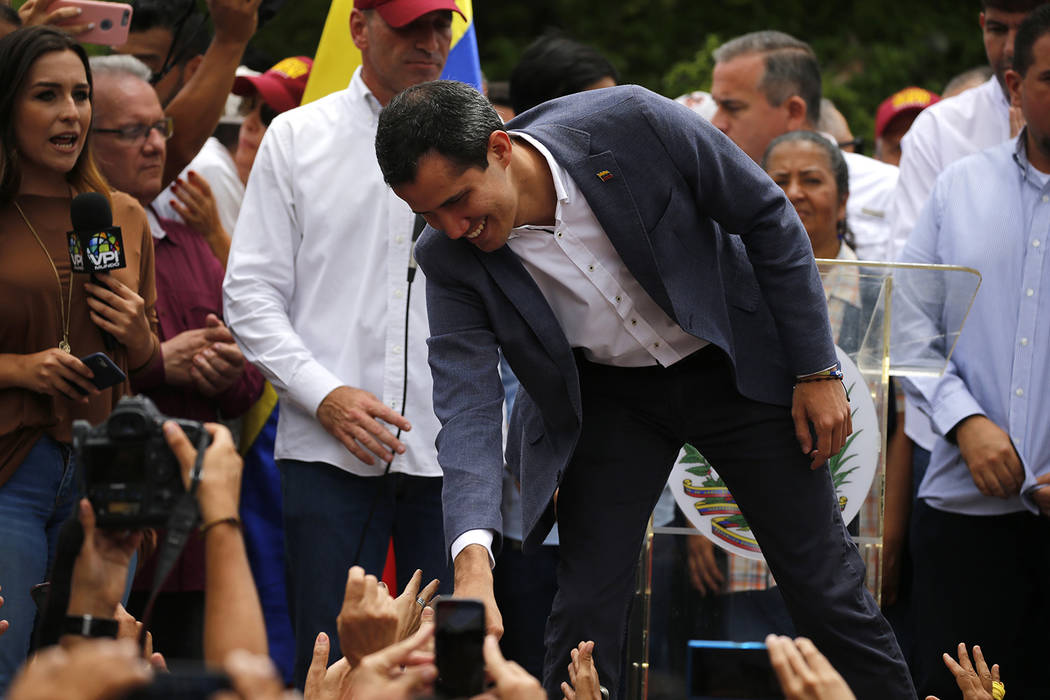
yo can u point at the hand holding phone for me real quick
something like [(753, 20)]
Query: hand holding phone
[(111, 20), (106, 371)]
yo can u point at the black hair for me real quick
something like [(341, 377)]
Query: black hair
[(451, 118), (791, 67), (19, 50), (1011, 5), (194, 36), (554, 65), (10, 15), (836, 162), (1032, 28)]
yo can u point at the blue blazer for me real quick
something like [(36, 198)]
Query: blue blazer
[(700, 226)]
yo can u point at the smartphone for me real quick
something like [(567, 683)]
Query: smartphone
[(112, 20), (106, 371), (718, 669), (458, 637)]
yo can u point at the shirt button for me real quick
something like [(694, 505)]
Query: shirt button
[(1035, 243), (1024, 341), (398, 294), (1029, 292), (1019, 392), (558, 234), (399, 239), (634, 322), (396, 349), (656, 345), (618, 299), (590, 268), (1046, 198)]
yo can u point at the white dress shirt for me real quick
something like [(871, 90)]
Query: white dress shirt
[(942, 134), (215, 164), (599, 305), (316, 285), (871, 186)]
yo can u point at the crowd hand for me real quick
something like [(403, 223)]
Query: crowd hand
[(34, 12), (56, 373), (130, 628), (368, 620), (235, 20), (401, 671), (704, 573), (92, 670), (100, 572), (350, 415), (510, 681), (219, 365), (975, 684), (989, 454), (822, 404), (117, 309), (583, 676), (196, 205), (219, 491), (179, 353), (803, 672), (409, 611), (253, 677), (325, 682), (1041, 494)]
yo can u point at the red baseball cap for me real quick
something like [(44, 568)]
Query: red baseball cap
[(398, 13), (281, 87), (911, 100)]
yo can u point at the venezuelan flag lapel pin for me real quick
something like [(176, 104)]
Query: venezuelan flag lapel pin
[(604, 175)]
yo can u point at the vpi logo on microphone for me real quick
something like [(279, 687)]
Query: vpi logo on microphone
[(102, 251)]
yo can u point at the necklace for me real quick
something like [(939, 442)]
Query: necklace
[(64, 309)]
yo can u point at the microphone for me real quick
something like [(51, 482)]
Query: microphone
[(95, 244), (417, 228)]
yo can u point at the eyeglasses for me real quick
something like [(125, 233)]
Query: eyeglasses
[(137, 133), (857, 144)]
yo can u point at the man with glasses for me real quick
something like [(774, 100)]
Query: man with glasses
[(203, 375)]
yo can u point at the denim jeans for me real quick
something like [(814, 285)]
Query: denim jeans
[(325, 509), (34, 503)]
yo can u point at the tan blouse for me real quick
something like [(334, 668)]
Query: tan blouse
[(30, 314)]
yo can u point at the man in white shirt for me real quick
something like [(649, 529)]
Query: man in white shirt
[(316, 295), (768, 83)]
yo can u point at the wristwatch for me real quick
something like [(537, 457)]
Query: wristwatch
[(90, 626)]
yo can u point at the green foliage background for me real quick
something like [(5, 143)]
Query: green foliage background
[(868, 49)]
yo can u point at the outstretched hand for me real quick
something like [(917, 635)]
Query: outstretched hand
[(822, 405), (583, 676), (804, 673), (100, 572), (974, 680)]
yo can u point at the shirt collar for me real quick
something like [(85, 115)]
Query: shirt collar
[(357, 91), (561, 192)]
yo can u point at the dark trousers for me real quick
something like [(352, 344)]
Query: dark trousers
[(634, 422), (981, 580), (525, 585), (325, 509)]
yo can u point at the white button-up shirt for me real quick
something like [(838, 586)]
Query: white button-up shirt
[(316, 285)]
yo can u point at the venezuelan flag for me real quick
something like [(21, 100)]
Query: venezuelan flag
[(337, 57)]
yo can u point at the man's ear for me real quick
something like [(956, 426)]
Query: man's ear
[(191, 67), (1013, 86), (797, 114), (500, 146), (358, 23)]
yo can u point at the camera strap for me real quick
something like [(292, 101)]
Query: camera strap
[(182, 522)]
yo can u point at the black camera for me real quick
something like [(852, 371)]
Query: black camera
[(127, 470)]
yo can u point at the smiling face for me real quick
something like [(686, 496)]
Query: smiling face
[(394, 58), (52, 117), (804, 173), (480, 206), (132, 166)]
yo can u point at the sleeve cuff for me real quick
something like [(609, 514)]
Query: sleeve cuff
[(482, 537), (952, 409), (311, 384)]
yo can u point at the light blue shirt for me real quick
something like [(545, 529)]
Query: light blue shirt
[(990, 211)]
